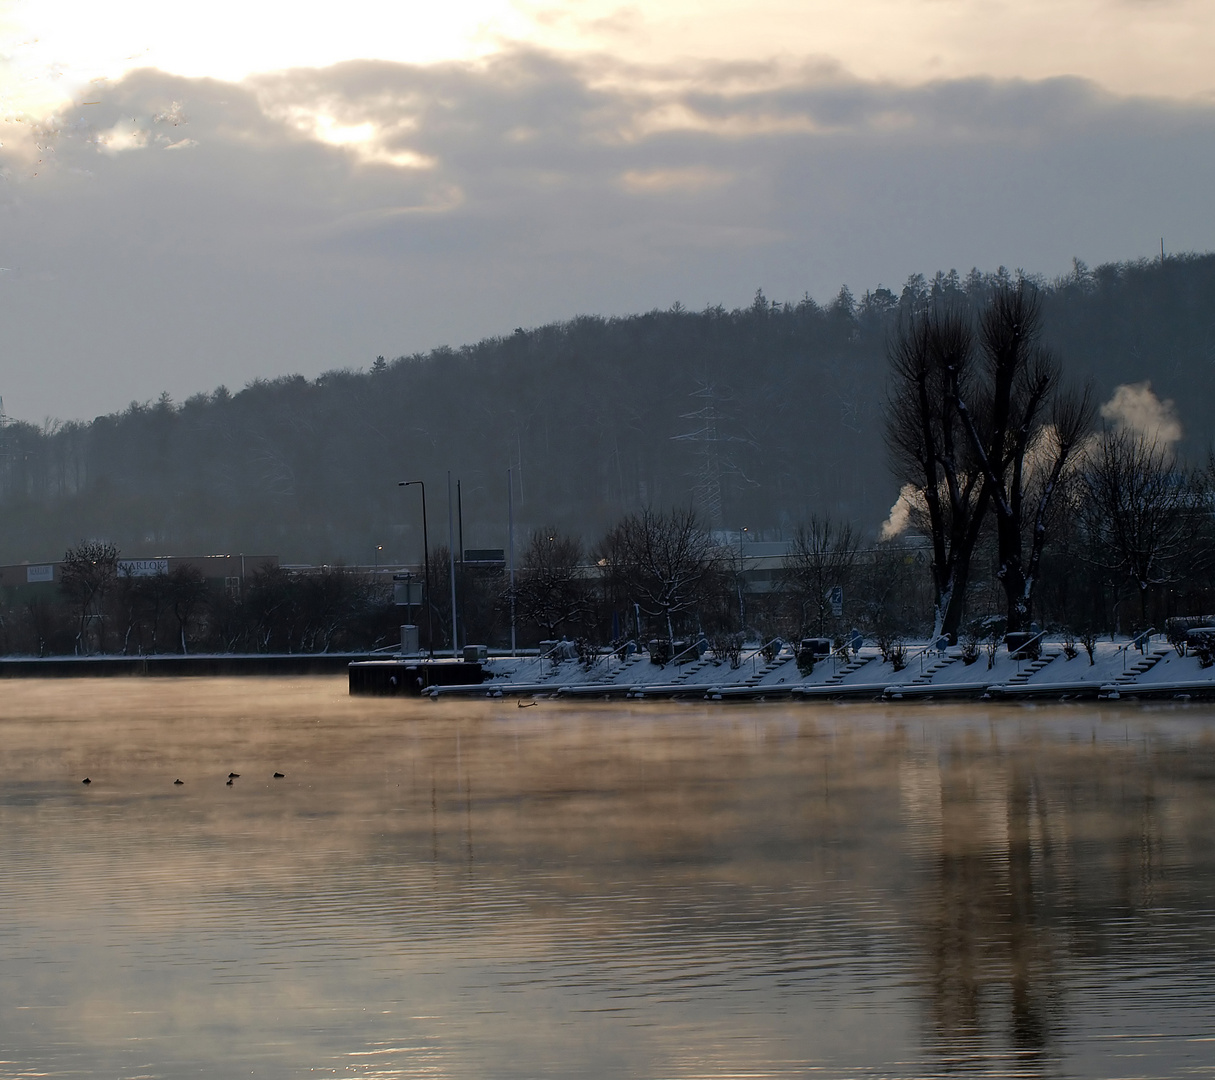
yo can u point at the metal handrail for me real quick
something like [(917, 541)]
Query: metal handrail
[(1144, 636), (691, 648), (922, 652), (1022, 655), (756, 652)]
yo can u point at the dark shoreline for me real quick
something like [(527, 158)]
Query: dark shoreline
[(66, 667)]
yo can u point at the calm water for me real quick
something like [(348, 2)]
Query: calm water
[(478, 890)]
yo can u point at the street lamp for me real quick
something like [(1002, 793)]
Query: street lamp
[(742, 569), (430, 632)]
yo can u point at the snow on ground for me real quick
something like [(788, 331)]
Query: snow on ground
[(1114, 662)]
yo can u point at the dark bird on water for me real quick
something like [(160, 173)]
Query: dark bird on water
[(526, 705), (229, 783), (279, 775), (86, 780), (233, 775), (179, 781)]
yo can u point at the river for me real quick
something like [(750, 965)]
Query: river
[(472, 889)]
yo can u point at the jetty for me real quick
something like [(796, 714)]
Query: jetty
[(1146, 667)]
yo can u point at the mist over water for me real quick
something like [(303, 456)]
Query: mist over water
[(478, 890)]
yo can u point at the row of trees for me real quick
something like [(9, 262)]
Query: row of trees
[(99, 609), (997, 454), (1129, 547)]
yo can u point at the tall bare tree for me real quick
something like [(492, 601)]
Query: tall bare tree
[(932, 362), (970, 436), (1025, 428)]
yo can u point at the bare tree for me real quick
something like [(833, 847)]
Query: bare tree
[(1025, 430), (187, 590), (823, 556), (664, 563), (144, 599), (969, 437), (1142, 512), (932, 361), (88, 571), (549, 590)]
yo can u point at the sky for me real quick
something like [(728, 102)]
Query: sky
[(201, 195)]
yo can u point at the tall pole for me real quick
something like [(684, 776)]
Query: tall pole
[(430, 625), (510, 536), (460, 537), (742, 567), (451, 564)]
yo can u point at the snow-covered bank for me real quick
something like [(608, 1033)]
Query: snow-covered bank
[(1117, 669)]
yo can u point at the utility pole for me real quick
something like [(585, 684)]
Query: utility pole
[(451, 565), (430, 625), (461, 582), (510, 536)]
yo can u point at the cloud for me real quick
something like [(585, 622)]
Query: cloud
[(324, 216), (1135, 408)]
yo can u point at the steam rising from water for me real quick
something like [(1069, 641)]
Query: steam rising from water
[(472, 890)]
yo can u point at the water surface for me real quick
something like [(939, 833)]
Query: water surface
[(472, 889)]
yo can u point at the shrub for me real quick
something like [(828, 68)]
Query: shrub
[(970, 649), (1069, 646)]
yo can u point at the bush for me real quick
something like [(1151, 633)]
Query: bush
[(894, 652), (1069, 646), (727, 648), (970, 649), (1089, 640)]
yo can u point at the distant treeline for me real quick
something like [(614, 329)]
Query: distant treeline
[(760, 416)]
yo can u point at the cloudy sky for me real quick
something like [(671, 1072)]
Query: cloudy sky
[(197, 196)]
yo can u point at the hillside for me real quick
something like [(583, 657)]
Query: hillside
[(761, 415)]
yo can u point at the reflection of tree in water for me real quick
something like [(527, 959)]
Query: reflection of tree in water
[(1043, 853)]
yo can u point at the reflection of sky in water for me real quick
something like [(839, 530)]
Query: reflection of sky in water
[(469, 890)]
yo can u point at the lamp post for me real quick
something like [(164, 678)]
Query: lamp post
[(742, 568), (430, 633)]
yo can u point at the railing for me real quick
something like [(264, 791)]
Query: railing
[(757, 652), (920, 653), (839, 656), (693, 648), (1022, 651), (1141, 641)]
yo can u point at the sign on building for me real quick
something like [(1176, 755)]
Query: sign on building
[(143, 567), (39, 573)]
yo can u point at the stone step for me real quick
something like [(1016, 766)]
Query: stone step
[(1146, 664), (937, 665), (848, 669), (1032, 668)]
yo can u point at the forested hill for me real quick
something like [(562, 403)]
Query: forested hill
[(762, 416)]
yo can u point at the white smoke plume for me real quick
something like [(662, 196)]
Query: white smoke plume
[(900, 513), (1134, 407)]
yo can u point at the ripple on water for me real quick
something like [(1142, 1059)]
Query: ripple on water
[(464, 890)]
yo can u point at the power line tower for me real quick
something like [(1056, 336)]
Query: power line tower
[(707, 441)]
